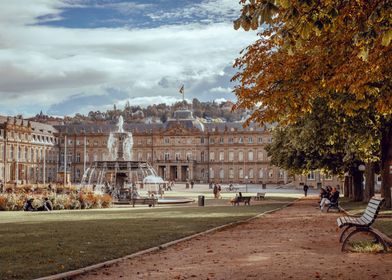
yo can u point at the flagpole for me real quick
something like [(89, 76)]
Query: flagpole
[(65, 160)]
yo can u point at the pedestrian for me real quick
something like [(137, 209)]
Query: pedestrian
[(192, 184), (215, 191), (219, 191), (306, 187)]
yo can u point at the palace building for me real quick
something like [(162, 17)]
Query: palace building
[(181, 149)]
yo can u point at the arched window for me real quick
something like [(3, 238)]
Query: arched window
[(212, 173), (231, 173), (221, 173), (251, 173), (261, 173), (240, 173)]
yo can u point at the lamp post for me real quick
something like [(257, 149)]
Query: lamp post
[(17, 161), (361, 167), (246, 184)]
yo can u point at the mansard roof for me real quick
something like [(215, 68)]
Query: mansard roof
[(232, 127), (87, 128), (186, 124), (37, 127)]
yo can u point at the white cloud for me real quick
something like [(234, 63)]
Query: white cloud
[(44, 66), (221, 90), (211, 10)]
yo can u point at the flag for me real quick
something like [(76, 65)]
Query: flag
[(182, 90)]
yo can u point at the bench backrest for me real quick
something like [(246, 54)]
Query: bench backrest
[(372, 209), (260, 194)]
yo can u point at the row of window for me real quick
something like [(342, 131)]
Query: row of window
[(28, 154), (88, 142), (167, 156), (240, 156), (220, 140), (177, 140), (262, 173), (34, 137)]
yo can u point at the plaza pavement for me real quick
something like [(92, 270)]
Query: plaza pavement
[(297, 242)]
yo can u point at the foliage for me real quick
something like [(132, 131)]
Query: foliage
[(309, 50), (73, 200), (336, 50), (323, 140)]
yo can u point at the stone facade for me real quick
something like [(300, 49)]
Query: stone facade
[(181, 149), (28, 151)]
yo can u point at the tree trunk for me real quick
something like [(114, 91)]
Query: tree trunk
[(369, 182), (346, 186), (357, 184), (386, 163), (350, 187)]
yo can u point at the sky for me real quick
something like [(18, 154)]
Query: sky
[(74, 56)]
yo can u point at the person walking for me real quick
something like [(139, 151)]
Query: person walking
[(306, 187), (215, 191)]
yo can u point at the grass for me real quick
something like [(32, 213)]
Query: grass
[(367, 247), (384, 225), (358, 207), (39, 244)]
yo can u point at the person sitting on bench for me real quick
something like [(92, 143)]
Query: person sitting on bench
[(333, 197)]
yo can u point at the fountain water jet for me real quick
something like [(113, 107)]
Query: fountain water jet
[(118, 171)]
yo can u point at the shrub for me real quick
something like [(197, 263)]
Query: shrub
[(71, 200)]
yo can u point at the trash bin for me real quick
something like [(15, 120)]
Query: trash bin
[(201, 200)]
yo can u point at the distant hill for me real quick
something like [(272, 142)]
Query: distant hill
[(153, 113)]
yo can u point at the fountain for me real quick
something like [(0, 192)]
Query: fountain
[(119, 173)]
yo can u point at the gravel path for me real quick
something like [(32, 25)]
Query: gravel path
[(297, 242)]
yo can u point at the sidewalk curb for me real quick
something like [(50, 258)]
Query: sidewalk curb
[(76, 272)]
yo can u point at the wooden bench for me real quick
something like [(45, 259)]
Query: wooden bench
[(260, 196), (238, 199), (144, 200), (362, 224)]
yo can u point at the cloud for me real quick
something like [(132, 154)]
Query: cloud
[(64, 70), (208, 11)]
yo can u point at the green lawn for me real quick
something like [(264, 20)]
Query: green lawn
[(357, 208), (38, 244)]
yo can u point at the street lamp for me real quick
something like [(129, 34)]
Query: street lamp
[(361, 167)]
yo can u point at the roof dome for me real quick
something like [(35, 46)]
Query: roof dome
[(186, 119)]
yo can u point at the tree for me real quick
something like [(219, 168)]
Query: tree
[(323, 140), (334, 49)]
